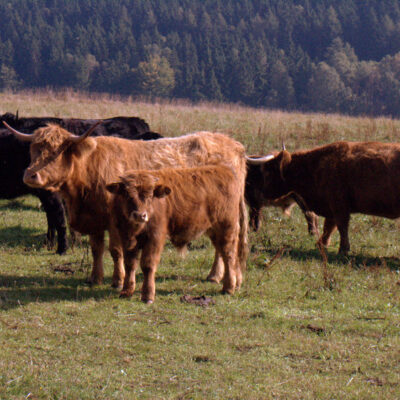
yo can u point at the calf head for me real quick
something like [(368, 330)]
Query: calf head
[(52, 149), (135, 195)]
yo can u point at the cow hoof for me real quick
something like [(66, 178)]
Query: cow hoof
[(91, 282), (61, 252), (125, 294), (148, 301), (117, 285)]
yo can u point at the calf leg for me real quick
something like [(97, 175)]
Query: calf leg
[(115, 247), (329, 228), (217, 271), (149, 261), (226, 244), (97, 247), (131, 258)]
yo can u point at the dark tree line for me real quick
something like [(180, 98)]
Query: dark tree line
[(319, 55)]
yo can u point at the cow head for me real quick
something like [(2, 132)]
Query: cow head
[(136, 192), (273, 171), (52, 149)]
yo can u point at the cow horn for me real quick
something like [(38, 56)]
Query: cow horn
[(259, 160), (78, 139), (24, 137), (283, 146)]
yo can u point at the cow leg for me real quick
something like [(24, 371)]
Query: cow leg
[(343, 227), (312, 223), (329, 228), (255, 214), (115, 247), (217, 270), (54, 210), (311, 218), (131, 258), (149, 261), (97, 247)]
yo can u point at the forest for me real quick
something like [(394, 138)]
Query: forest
[(308, 55)]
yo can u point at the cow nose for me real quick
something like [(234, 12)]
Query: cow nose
[(31, 178)]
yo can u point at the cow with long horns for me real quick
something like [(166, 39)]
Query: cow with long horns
[(15, 158), (337, 180), (80, 167)]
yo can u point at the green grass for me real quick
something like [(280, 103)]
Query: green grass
[(298, 329)]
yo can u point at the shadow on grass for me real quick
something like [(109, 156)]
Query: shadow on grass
[(14, 236), (356, 261), (16, 291), (16, 204)]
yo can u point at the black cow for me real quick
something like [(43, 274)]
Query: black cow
[(15, 158), (125, 127), (257, 200)]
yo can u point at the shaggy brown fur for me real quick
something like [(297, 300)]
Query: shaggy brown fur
[(81, 171), (337, 180), (180, 204)]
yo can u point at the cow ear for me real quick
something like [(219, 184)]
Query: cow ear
[(161, 191), (83, 148), (285, 159), (116, 188)]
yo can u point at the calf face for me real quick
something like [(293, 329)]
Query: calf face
[(138, 192)]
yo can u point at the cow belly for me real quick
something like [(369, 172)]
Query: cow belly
[(89, 223), (382, 206)]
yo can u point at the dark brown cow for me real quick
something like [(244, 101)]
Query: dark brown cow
[(81, 166), (337, 180), (256, 200), (180, 204)]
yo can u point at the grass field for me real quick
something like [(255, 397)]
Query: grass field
[(300, 328)]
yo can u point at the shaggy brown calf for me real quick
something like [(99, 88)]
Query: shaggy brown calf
[(337, 180), (180, 204), (79, 167)]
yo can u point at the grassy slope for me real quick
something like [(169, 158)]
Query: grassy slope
[(298, 329)]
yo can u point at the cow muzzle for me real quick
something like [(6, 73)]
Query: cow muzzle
[(139, 217), (32, 179)]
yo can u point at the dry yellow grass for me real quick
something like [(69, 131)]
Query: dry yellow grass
[(259, 129)]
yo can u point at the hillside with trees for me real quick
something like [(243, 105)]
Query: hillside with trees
[(309, 55)]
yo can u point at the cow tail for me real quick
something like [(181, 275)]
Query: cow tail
[(243, 248)]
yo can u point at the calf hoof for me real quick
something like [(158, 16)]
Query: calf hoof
[(148, 301), (213, 278), (229, 290), (125, 294)]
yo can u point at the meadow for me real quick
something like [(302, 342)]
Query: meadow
[(305, 325)]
